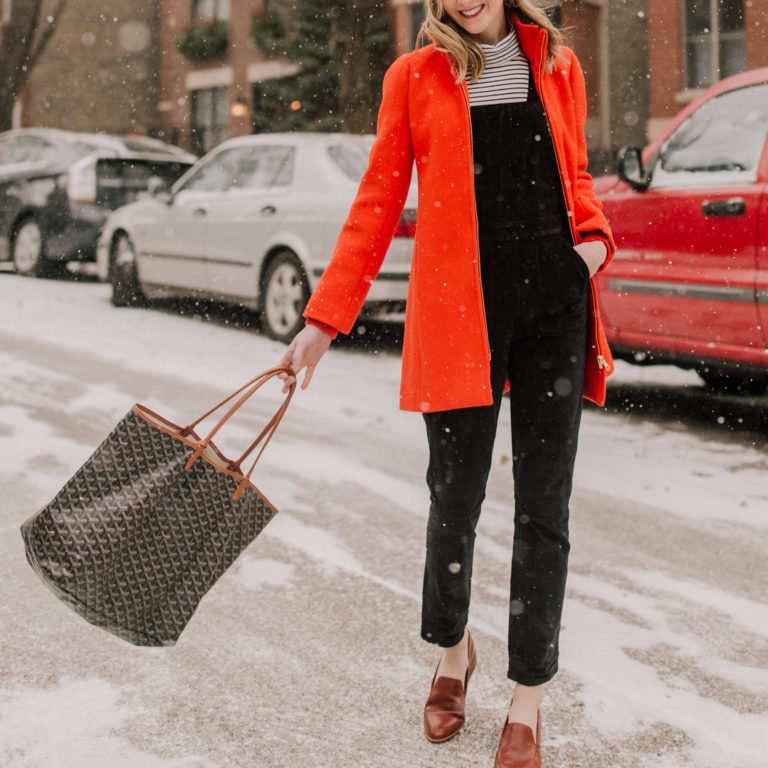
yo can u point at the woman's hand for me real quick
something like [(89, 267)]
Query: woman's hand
[(305, 351), (594, 253)]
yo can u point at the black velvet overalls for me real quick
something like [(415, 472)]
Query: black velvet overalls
[(535, 290)]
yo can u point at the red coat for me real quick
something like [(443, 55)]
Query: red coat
[(424, 116)]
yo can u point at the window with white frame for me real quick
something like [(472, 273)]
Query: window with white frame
[(715, 45), (210, 10), (210, 117)]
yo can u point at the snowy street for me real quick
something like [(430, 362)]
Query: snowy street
[(307, 651)]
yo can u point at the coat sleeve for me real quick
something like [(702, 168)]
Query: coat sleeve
[(370, 225), (591, 223)]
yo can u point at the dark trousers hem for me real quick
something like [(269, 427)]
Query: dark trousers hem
[(519, 676), (445, 641)]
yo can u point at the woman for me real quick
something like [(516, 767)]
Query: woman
[(500, 298)]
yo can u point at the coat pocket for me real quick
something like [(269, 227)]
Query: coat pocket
[(572, 259)]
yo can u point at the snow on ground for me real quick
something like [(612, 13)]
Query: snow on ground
[(73, 726), (675, 471), (665, 637)]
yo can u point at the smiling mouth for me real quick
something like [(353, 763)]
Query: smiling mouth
[(472, 12)]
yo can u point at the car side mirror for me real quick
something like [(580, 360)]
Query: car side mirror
[(630, 168), (157, 188)]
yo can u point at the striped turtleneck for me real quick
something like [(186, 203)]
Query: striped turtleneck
[(505, 77)]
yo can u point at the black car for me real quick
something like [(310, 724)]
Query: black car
[(57, 187)]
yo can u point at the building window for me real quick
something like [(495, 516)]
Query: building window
[(210, 118), (210, 10), (715, 44)]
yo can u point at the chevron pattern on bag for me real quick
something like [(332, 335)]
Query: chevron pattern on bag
[(133, 541)]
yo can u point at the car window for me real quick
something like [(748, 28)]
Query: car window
[(720, 143), (82, 144), (25, 149), (33, 149), (72, 148), (148, 146), (6, 150), (351, 159), (264, 168), (215, 172)]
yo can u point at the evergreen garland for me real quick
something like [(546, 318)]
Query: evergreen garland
[(203, 41)]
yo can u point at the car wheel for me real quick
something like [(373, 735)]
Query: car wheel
[(124, 276), (29, 249), (734, 383), (284, 294)]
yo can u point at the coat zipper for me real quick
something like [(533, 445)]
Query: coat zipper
[(601, 361), (465, 93)]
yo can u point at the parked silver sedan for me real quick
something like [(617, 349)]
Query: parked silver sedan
[(252, 223)]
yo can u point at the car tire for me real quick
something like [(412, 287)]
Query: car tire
[(723, 380), (28, 250), (123, 273), (284, 294)]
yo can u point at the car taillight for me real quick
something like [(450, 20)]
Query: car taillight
[(81, 181), (406, 227)]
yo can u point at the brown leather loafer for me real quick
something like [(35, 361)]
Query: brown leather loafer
[(444, 712), (518, 748)]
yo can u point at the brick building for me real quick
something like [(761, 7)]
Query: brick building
[(207, 98), (694, 43), (122, 71), (610, 40), (99, 71), (204, 100), (645, 59)]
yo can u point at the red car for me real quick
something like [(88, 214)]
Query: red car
[(689, 284)]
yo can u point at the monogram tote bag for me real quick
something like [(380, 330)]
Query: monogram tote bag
[(153, 518)]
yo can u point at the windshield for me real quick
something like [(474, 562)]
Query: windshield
[(114, 146), (723, 140), (147, 146), (351, 159)]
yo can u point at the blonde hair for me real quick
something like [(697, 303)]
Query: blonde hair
[(467, 55)]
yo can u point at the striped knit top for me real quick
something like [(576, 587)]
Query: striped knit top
[(505, 77)]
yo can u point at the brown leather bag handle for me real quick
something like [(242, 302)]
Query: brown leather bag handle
[(269, 430), (254, 383), (250, 389)]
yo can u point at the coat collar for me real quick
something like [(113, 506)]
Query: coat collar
[(533, 42), (533, 39)]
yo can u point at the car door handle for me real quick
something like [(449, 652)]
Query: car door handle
[(268, 210), (733, 206), (200, 212)]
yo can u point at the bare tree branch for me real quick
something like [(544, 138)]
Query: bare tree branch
[(46, 33), (22, 43)]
